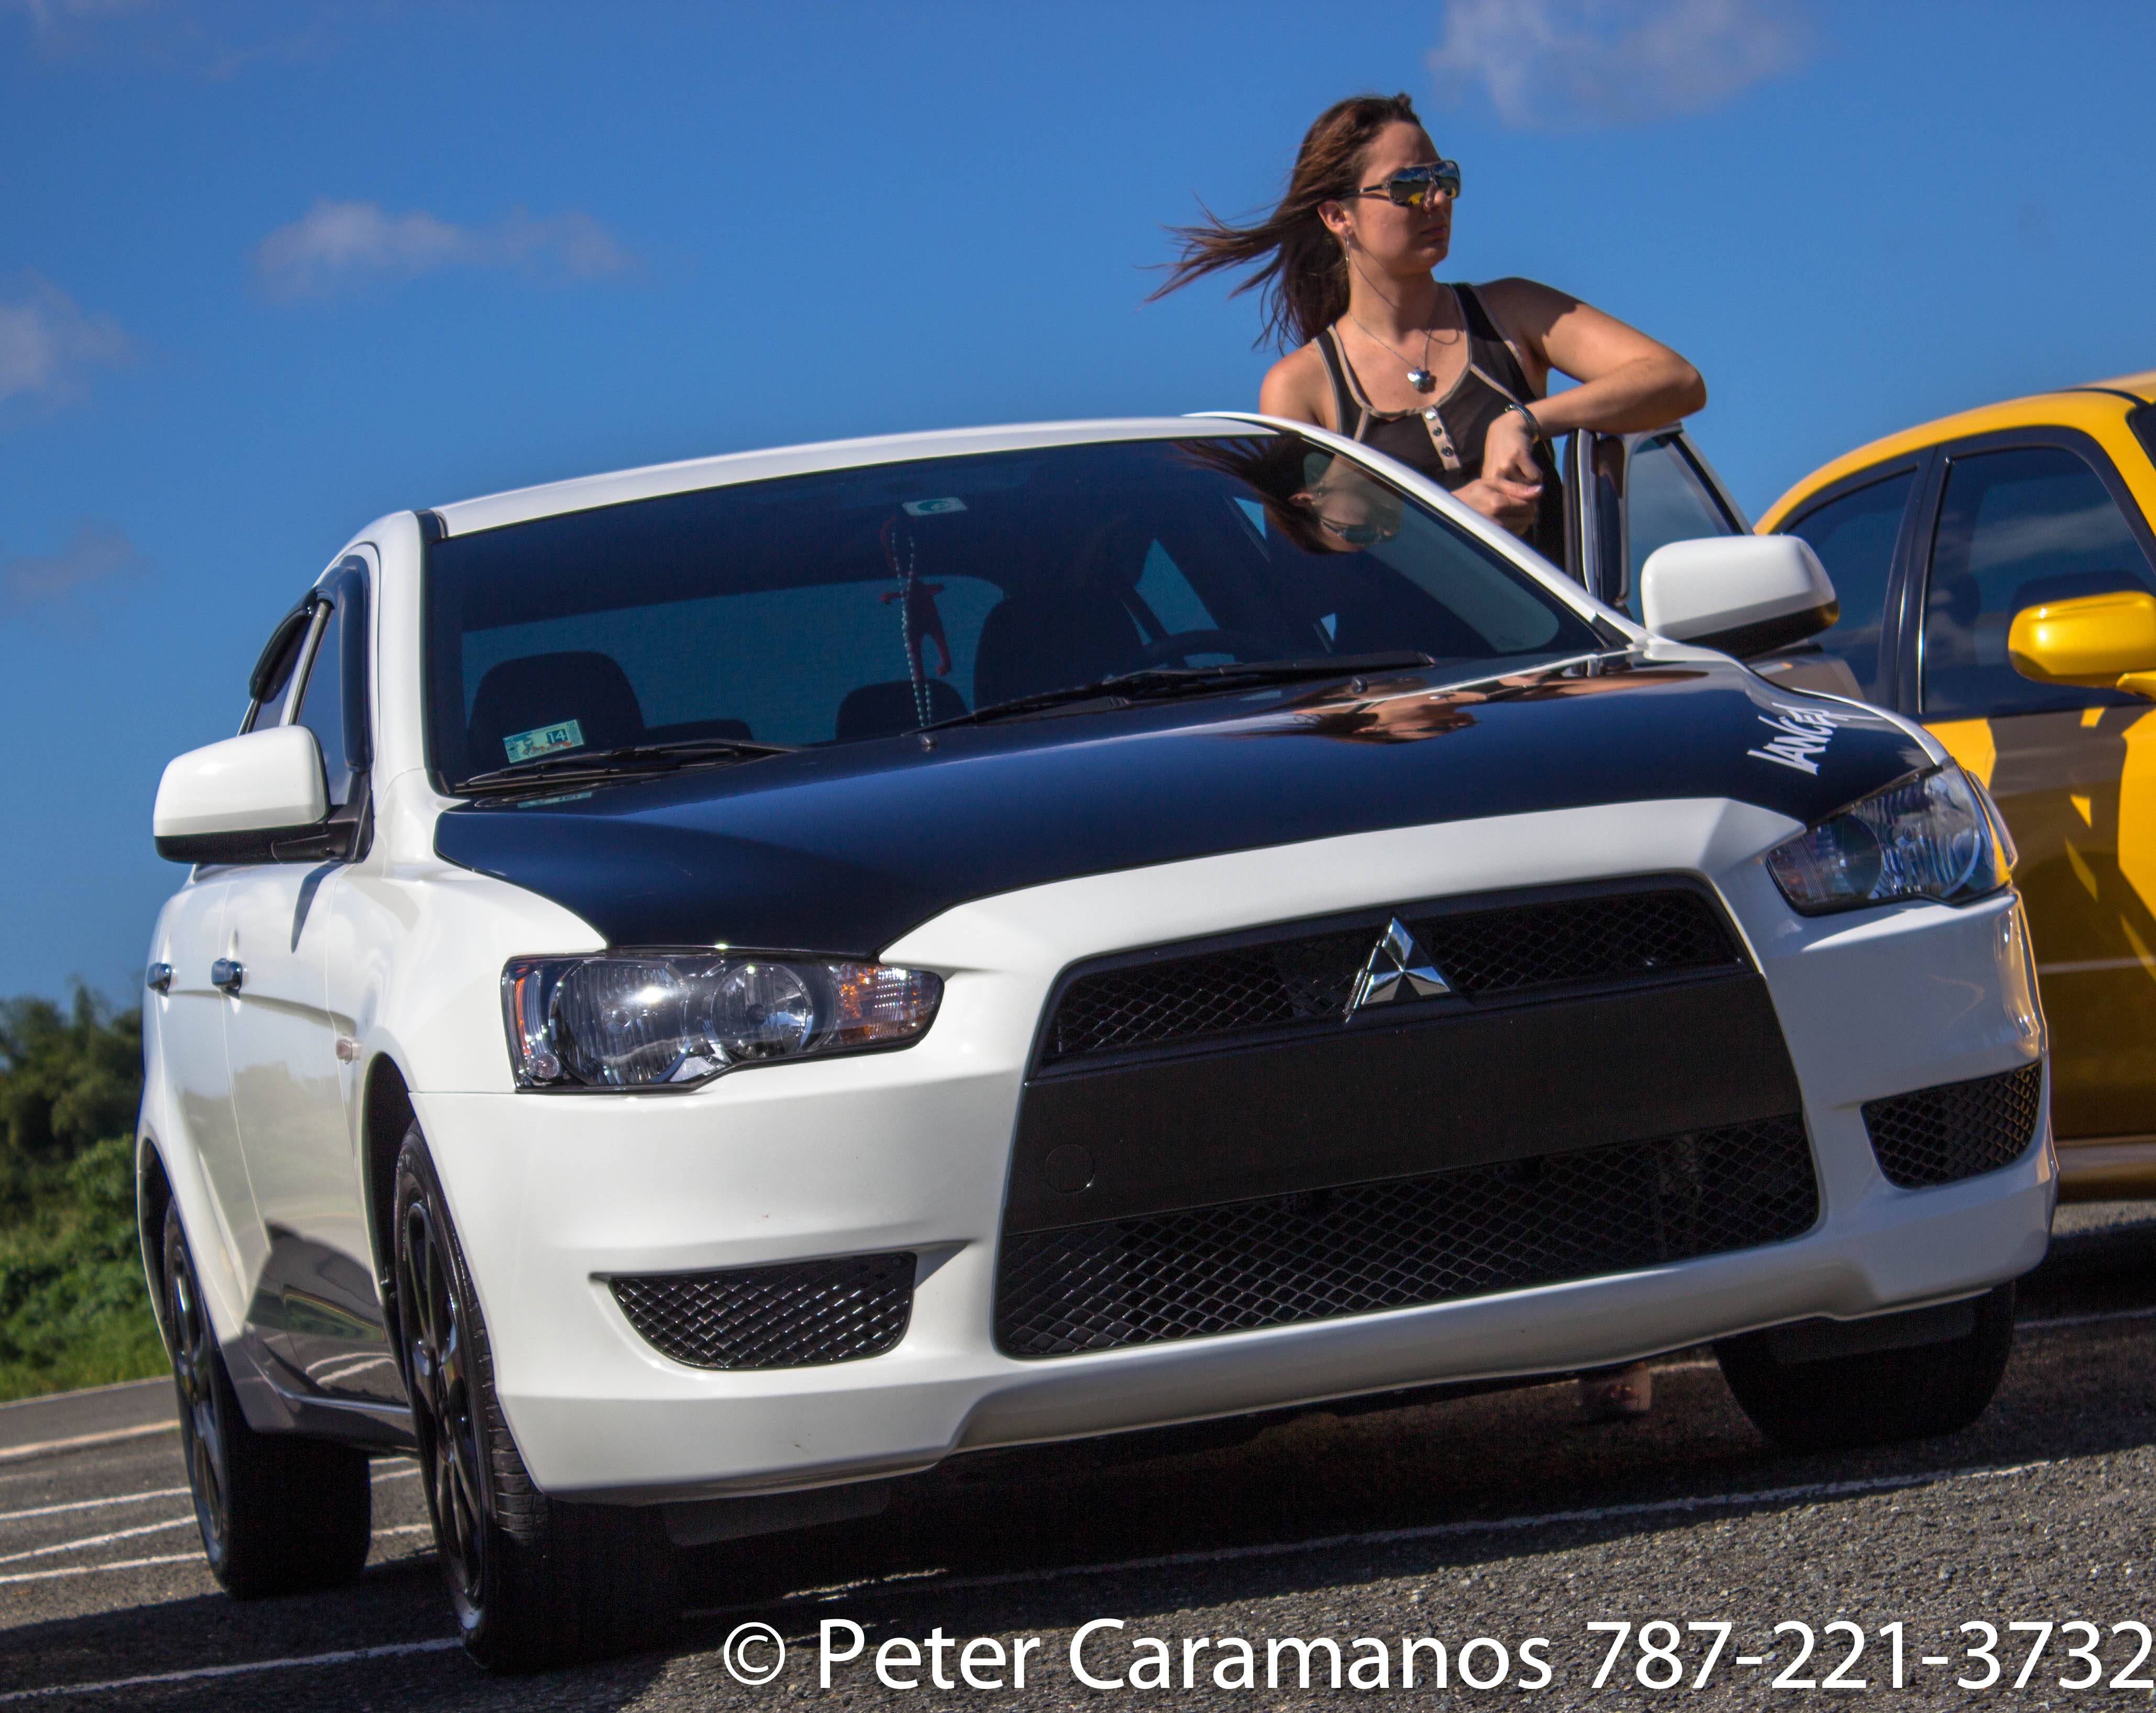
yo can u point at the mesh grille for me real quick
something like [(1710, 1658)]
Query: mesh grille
[(801, 1316), (1957, 1130), (1213, 994), (1355, 1250)]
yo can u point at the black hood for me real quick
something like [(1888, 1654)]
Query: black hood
[(843, 850)]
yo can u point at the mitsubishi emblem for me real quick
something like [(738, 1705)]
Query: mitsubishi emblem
[(1399, 969)]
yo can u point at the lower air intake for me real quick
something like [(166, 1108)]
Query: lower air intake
[(1365, 1247), (804, 1315), (1955, 1130)]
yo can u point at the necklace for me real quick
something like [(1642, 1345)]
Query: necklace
[(1419, 375)]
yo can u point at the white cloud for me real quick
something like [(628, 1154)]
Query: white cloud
[(97, 559), (46, 340), (338, 245), (1574, 64)]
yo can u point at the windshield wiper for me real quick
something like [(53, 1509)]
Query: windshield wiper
[(614, 764), (1155, 683)]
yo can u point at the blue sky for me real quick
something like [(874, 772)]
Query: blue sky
[(267, 271)]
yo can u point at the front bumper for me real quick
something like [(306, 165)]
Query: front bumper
[(553, 1195)]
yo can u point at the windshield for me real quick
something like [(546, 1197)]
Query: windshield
[(861, 603)]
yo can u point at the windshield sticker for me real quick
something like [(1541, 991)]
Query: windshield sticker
[(933, 508), (544, 740), (1799, 734)]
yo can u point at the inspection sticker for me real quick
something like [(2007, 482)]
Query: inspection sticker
[(544, 740), (933, 508)]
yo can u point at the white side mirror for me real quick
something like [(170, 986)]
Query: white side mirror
[(1743, 594), (220, 802)]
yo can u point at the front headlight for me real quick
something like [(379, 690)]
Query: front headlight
[(664, 1019), (1929, 836)]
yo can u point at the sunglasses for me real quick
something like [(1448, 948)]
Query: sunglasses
[(1412, 187)]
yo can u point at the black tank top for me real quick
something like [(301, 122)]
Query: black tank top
[(1444, 440)]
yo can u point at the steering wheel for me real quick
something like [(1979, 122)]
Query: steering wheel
[(1178, 646)]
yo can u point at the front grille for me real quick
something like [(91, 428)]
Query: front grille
[(1159, 1001), (1955, 1130), (802, 1315), (1404, 1242)]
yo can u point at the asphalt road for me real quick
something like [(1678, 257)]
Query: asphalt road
[(1499, 1517)]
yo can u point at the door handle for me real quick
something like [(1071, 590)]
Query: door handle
[(227, 973)]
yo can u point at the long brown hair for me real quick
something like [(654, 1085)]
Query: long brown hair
[(1304, 278)]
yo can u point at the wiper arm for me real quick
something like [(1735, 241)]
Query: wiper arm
[(609, 764), (1151, 683)]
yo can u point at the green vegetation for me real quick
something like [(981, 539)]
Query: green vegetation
[(74, 1308)]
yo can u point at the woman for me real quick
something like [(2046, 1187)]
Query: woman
[(1451, 380)]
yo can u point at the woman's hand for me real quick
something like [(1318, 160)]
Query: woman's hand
[(1510, 505), (1511, 485)]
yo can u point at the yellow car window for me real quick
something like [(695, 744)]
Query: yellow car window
[(2016, 528)]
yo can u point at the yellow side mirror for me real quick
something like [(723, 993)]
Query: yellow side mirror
[(2100, 641)]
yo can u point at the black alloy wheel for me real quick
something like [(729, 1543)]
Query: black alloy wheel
[(536, 1582), (278, 1514), (195, 1365), (437, 1355)]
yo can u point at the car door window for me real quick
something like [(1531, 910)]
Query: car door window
[(2016, 528), (321, 706), (1665, 500), (1854, 535)]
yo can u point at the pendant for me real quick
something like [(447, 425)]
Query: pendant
[(1421, 380)]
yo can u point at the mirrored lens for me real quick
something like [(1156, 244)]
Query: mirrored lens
[(1412, 186)]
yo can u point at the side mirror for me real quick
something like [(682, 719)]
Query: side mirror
[(2104, 642), (229, 803), (1743, 594)]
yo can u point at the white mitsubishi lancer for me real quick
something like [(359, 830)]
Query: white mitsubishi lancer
[(705, 991)]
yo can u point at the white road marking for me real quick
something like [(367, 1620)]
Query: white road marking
[(81, 1440), (195, 1557), (84, 1570), (89, 1541), (16, 1516), (390, 1650), (12, 1516), (938, 1582), (2084, 1320)]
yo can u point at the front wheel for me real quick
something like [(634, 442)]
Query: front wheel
[(1876, 1398), (535, 1582), (278, 1514)]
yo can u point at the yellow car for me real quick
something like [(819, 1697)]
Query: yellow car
[(1997, 575)]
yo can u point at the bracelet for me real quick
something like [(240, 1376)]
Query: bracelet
[(1534, 428)]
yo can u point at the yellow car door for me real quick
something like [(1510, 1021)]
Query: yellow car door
[(2018, 518)]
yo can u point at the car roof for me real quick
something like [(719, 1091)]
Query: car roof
[(618, 487), (2066, 406)]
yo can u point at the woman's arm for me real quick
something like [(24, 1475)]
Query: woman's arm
[(1628, 382)]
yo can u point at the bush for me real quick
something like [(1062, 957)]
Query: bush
[(75, 1309)]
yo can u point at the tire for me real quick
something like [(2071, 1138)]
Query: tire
[(1879, 1396), (535, 1582), (278, 1514)]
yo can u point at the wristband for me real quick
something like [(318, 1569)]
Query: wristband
[(1534, 428)]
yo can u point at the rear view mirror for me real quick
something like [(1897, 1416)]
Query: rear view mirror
[(228, 802), (2104, 642), (1743, 594)]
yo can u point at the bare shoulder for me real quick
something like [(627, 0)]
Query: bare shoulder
[(1298, 387), (1526, 305)]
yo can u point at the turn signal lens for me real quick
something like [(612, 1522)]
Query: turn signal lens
[(643, 1020), (1931, 836)]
